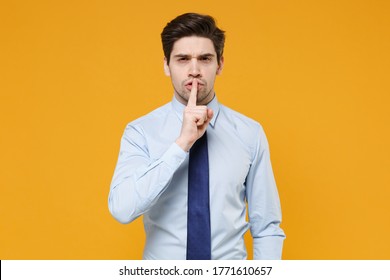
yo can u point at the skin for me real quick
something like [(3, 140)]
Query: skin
[(193, 68)]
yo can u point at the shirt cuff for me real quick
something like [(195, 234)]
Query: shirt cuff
[(268, 248)]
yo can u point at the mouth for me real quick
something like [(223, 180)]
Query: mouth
[(188, 85)]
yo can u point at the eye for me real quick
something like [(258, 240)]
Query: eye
[(206, 59), (182, 59)]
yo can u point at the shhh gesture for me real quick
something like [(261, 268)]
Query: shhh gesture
[(195, 120)]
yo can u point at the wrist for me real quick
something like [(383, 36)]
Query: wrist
[(182, 143)]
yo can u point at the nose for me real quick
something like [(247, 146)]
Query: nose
[(194, 70)]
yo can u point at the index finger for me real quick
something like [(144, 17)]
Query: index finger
[(193, 94)]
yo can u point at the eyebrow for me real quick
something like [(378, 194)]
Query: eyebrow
[(187, 55)]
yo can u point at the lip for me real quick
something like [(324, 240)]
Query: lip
[(189, 86), (189, 83)]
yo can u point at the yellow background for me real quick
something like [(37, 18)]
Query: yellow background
[(74, 73)]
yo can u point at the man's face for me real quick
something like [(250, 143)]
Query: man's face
[(193, 58)]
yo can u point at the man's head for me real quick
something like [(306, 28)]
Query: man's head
[(193, 49), (191, 24)]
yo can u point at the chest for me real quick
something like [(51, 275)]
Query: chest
[(229, 160)]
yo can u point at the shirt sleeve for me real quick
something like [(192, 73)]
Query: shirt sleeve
[(139, 181), (264, 205)]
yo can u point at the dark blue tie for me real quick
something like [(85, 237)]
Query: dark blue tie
[(198, 217)]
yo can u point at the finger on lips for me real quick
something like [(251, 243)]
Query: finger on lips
[(193, 94), (200, 114)]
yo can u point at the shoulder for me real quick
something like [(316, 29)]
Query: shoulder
[(241, 122), (150, 119), (248, 130), (156, 114)]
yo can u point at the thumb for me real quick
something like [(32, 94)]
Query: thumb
[(210, 113)]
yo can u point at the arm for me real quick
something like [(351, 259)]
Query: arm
[(138, 182), (264, 205)]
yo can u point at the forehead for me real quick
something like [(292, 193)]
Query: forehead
[(193, 46)]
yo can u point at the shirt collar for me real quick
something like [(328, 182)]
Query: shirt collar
[(213, 104)]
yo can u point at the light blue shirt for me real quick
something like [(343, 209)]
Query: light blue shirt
[(151, 179)]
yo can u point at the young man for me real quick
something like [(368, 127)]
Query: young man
[(191, 165)]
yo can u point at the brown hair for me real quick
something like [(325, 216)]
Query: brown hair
[(191, 24)]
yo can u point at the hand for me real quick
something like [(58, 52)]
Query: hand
[(195, 120)]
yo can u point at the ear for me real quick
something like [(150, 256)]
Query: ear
[(166, 67), (220, 66)]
